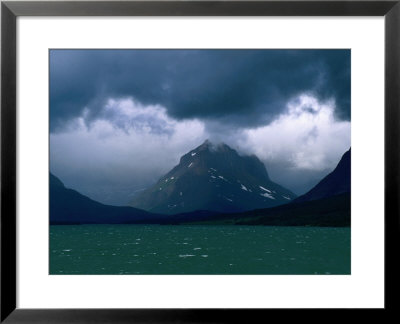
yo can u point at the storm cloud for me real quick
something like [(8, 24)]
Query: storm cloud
[(242, 87)]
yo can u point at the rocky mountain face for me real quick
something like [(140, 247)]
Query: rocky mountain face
[(215, 178), (335, 183)]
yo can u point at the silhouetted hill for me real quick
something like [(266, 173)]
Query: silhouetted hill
[(335, 183), (68, 206)]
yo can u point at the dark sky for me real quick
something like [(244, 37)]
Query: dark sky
[(121, 118)]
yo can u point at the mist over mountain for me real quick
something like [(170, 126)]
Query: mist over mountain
[(216, 178)]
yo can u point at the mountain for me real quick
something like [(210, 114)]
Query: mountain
[(215, 178), (327, 204), (68, 206), (242, 177), (335, 183)]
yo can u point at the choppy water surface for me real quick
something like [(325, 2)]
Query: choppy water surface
[(153, 249)]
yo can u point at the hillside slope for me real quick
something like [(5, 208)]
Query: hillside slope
[(68, 206)]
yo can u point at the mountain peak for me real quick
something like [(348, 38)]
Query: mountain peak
[(214, 147), (205, 146), (213, 177), (55, 182)]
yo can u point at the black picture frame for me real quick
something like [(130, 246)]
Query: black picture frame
[(10, 10)]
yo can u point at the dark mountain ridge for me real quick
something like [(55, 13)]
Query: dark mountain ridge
[(327, 212), (335, 183), (68, 206)]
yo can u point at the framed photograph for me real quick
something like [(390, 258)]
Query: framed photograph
[(193, 161)]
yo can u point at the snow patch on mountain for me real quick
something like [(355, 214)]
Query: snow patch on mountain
[(267, 195), (267, 190)]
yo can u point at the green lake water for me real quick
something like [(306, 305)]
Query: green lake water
[(154, 249)]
